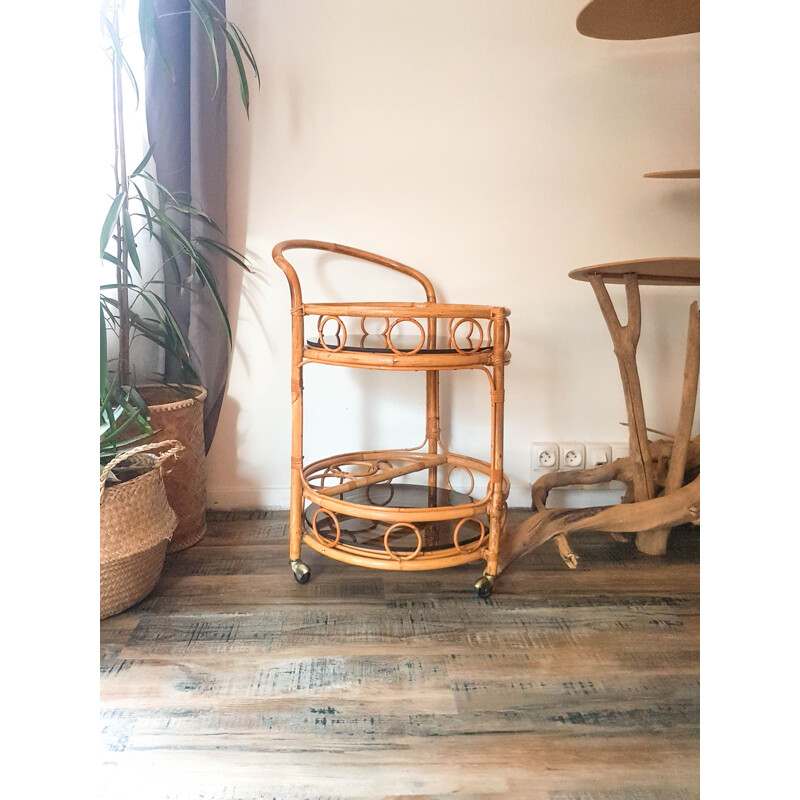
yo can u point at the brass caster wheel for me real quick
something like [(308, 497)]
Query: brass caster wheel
[(301, 572), (483, 586)]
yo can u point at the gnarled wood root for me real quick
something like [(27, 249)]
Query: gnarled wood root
[(667, 511)]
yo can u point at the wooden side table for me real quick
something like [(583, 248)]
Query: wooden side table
[(655, 471)]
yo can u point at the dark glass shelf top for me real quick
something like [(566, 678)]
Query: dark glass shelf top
[(377, 343), (368, 534)]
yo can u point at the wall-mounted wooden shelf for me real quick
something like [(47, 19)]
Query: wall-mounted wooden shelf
[(639, 19)]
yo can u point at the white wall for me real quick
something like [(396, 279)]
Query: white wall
[(489, 145)]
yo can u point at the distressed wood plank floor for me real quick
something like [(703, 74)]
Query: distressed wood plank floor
[(232, 682)]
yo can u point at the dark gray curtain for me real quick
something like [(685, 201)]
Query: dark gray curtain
[(187, 125)]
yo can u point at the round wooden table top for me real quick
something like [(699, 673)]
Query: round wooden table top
[(676, 271), (639, 19), (674, 173)]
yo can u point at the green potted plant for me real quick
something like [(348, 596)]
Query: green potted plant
[(150, 238)]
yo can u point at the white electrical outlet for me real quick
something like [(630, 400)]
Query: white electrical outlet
[(597, 454), (571, 455), (544, 458), (619, 450)]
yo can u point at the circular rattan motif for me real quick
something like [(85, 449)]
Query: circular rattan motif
[(473, 545), (475, 332), (402, 525), (321, 539), (405, 352), (462, 469), (378, 333), (340, 335)]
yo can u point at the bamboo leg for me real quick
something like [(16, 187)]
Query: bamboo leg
[(432, 421), (296, 486), (655, 542), (496, 478)]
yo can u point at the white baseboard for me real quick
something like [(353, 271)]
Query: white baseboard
[(248, 499)]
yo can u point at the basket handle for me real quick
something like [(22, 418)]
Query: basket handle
[(175, 448)]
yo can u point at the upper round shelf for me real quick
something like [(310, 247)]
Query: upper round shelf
[(675, 271), (674, 173), (639, 19)]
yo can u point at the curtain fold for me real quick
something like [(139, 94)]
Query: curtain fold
[(187, 127)]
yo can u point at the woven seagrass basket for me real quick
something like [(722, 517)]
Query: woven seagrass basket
[(136, 524), (177, 413)]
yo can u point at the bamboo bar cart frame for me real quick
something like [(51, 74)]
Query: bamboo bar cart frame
[(662, 476), (445, 337)]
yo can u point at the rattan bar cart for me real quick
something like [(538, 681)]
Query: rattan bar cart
[(397, 509)]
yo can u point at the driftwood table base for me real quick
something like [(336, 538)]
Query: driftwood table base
[(659, 514), (662, 477)]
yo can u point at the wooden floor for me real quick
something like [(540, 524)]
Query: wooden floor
[(233, 682)]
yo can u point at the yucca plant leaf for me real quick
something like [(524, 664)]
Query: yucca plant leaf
[(111, 258), (143, 162), (110, 220), (119, 54), (204, 269), (246, 49), (148, 177), (244, 89), (130, 240), (207, 21), (228, 252), (103, 351), (150, 33)]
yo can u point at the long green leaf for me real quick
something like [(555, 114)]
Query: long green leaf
[(119, 54), (110, 220), (145, 207), (111, 258), (150, 32), (244, 89), (143, 162), (103, 352), (207, 21), (204, 269), (148, 177), (246, 49), (130, 240), (228, 252)]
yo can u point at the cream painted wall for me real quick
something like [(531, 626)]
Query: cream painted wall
[(489, 145)]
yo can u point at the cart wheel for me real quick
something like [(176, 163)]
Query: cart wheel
[(301, 572), (483, 586)]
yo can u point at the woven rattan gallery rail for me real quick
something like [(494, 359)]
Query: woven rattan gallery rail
[(363, 507)]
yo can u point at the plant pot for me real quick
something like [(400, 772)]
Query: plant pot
[(177, 413), (136, 524)]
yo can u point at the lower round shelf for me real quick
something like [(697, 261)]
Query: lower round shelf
[(403, 538)]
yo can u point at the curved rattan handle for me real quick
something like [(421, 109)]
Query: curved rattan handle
[(311, 244), (174, 448)]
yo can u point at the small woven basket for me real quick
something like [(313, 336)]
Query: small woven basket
[(136, 524), (177, 415)]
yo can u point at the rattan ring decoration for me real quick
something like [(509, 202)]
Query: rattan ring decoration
[(473, 324), (387, 484), (342, 329), (405, 352), (363, 323), (474, 546), (318, 536), (463, 469), (389, 550)]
